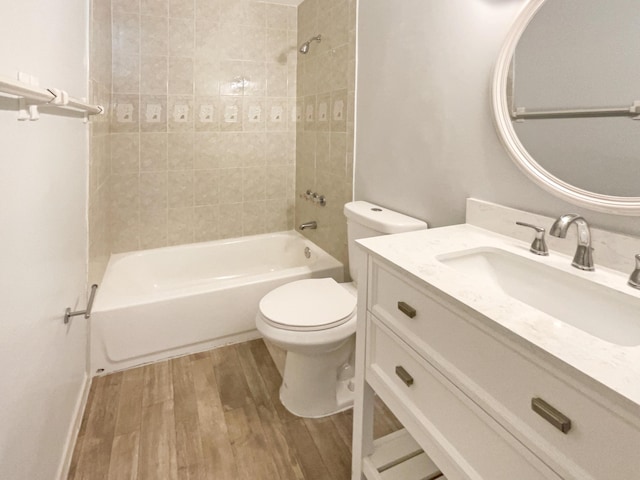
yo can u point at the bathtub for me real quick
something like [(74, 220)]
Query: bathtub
[(161, 303)]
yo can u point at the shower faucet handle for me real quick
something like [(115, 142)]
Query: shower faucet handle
[(539, 245)]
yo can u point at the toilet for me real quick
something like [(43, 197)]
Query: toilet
[(314, 320)]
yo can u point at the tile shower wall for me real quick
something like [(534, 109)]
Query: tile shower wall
[(202, 126), (325, 114), (100, 144)]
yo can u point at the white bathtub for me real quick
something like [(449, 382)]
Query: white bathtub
[(156, 304)]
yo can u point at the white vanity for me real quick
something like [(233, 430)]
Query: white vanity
[(456, 338)]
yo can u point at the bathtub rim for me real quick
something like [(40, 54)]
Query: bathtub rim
[(325, 262)]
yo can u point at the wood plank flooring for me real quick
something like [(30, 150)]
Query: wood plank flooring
[(210, 416)]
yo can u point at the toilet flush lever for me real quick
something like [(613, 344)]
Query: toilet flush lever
[(539, 245)]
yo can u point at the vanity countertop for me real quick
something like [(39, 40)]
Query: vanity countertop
[(615, 367)]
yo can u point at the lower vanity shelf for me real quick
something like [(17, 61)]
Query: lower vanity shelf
[(399, 457)]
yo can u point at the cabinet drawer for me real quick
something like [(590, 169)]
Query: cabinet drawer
[(457, 424), (504, 379)]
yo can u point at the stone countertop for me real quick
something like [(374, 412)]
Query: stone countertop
[(614, 367)]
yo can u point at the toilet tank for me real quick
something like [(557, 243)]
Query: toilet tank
[(365, 220)]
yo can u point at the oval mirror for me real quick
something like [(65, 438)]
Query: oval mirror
[(566, 100)]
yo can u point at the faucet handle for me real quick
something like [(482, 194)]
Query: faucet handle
[(539, 245), (634, 278)]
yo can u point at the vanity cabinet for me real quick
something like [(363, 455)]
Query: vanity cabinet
[(480, 402)]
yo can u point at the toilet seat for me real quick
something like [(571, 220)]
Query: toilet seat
[(308, 305)]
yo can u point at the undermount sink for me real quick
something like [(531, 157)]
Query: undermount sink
[(589, 306)]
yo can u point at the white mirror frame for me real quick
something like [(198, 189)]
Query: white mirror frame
[(522, 158)]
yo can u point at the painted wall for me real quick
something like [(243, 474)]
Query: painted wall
[(325, 119), (207, 149), (43, 250), (425, 139)]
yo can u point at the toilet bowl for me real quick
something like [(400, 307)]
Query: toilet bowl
[(314, 320), (318, 336)]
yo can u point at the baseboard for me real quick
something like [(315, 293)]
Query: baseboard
[(72, 435)]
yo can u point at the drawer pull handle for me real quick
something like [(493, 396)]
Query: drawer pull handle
[(407, 309), (404, 376), (551, 415)]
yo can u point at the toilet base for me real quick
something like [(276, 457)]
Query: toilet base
[(315, 386)]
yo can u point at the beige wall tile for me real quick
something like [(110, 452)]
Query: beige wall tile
[(230, 220), (158, 8), (256, 14), (125, 153), (206, 187), (180, 189), (231, 77), (208, 9), (125, 230), (126, 73), (154, 35), (254, 114), (153, 227), (125, 6), (126, 33), (207, 146), (277, 182), (208, 76), (324, 151), (254, 182), (180, 113), (153, 75), (230, 185), (277, 80), (125, 113), (180, 226), (181, 75), (206, 223), (253, 217), (231, 113), (153, 152), (180, 151), (251, 148), (207, 113), (182, 8), (181, 37), (153, 113), (202, 122), (254, 43), (153, 190), (255, 79), (277, 16)]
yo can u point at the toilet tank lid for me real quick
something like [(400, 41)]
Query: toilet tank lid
[(381, 219)]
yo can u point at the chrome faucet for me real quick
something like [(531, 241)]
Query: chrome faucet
[(583, 258), (310, 225)]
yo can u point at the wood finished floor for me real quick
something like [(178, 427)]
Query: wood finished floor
[(213, 415)]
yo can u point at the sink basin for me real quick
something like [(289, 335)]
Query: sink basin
[(589, 306)]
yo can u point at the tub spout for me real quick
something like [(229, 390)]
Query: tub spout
[(310, 225)]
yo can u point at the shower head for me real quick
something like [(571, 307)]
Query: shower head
[(304, 48)]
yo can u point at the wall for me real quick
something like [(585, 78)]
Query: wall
[(425, 139), (43, 251), (325, 114), (202, 142), (100, 56)]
